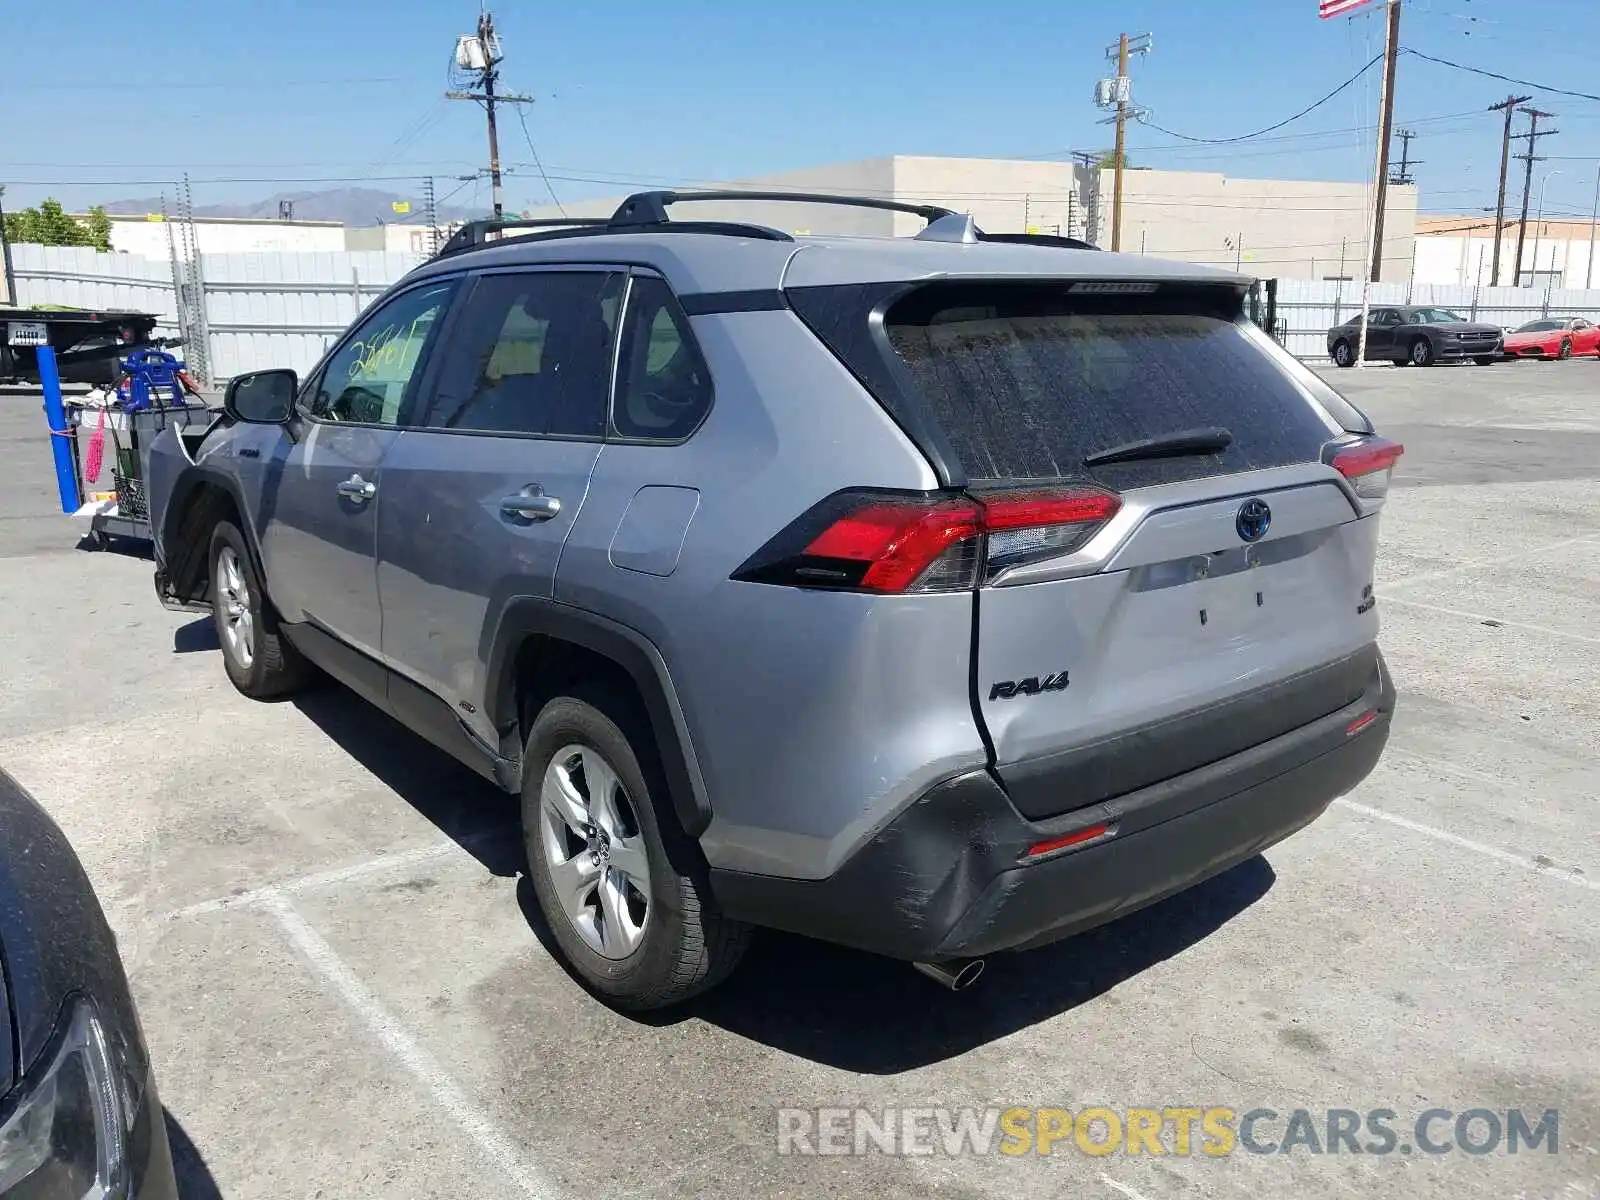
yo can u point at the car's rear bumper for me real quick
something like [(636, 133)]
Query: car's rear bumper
[(947, 878)]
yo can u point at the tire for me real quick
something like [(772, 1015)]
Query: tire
[(662, 939), (1421, 354), (1342, 354), (1566, 349), (1485, 360), (259, 660)]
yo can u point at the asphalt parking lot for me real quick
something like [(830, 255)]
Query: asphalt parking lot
[(347, 992)]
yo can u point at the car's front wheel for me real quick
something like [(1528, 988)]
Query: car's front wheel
[(1343, 355), (259, 660), (1421, 353), (622, 886), (1566, 348)]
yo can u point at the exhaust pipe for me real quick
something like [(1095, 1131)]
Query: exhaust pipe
[(957, 974)]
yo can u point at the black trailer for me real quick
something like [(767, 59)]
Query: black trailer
[(87, 344)]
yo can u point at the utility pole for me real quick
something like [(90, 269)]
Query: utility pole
[(480, 57), (5, 255), (1372, 255), (1391, 56), (1120, 92), (1509, 107), (1533, 135), (1402, 174), (1122, 135), (1594, 220), (1091, 216), (430, 211)]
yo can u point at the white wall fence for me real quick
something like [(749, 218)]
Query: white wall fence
[(237, 312), (282, 308)]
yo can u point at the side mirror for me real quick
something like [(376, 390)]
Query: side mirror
[(261, 397)]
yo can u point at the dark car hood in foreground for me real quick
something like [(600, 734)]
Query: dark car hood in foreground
[(54, 940)]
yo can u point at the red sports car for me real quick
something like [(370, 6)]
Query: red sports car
[(1557, 337)]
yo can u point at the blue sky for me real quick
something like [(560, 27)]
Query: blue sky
[(250, 101)]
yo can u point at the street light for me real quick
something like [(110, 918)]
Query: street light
[(1538, 226)]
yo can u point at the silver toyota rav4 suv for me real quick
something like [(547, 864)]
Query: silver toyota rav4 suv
[(935, 595)]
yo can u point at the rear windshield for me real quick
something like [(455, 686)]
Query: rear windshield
[(1539, 327), (1027, 381)]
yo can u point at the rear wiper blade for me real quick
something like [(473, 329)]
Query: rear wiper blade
[(1168, 445)]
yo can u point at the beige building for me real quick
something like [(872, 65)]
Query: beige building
[(1460, 250), (1267, 227)]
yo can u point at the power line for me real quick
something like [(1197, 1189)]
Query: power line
[(169, 182), (1538, 87), (528, 137), (164, 85), (1245, 137)]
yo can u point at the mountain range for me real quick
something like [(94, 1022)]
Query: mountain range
[(355, 206)]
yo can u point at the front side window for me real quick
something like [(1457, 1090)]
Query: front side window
[(663, 386), (1436, 316), (531, 354), (368, 378)]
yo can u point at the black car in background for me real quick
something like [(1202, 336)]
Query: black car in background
[(1415, 335), (79, 1115)]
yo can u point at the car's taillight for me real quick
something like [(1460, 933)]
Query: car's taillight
[(926, 542), (1368, 464), (1027, 526)]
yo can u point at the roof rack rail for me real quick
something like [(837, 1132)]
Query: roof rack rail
[(647, 211), (476, 233), (1038, 239), (650, 208)]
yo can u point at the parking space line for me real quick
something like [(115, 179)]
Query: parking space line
[(1527, 552), (371, 866), (1440, 835), (1121, 1189), (445, 1091), (1483, 617)]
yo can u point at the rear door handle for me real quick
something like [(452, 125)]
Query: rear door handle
[(531, 504), (357, 488)]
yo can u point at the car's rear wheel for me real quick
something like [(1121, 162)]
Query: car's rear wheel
[(1421, 354), (1566, 348), (623, 888), (259, 660), (1343, 355)]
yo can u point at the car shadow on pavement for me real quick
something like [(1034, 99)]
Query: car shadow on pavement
[(876, 1016), (195, 1181), (197, 636), (485, 821)]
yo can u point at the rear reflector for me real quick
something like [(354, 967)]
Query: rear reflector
[(1368, 464), (926, 542), (1361, 722), (1070, 839)]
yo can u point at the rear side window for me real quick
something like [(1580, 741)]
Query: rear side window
[(1027, 381), (663, 387)]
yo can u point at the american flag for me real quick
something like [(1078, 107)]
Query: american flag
[(1332, 8)]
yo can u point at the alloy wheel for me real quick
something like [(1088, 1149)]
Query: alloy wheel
[(589, 834), (238, 621)]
